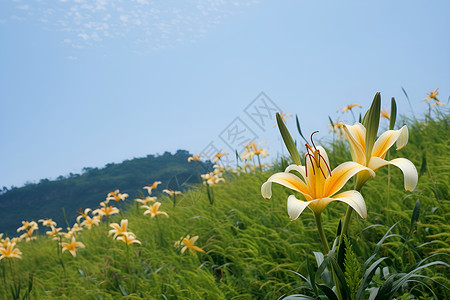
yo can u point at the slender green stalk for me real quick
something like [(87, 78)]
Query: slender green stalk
[(323, 239), (259, 162)]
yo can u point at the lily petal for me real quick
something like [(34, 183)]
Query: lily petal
[(356, 136), (324, 154), (355, 200), (299, 169), (387, 139), (341, 174), (288, 180), (295, 207), (408, 169)]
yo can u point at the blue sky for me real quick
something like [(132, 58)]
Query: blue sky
[(85, 83)]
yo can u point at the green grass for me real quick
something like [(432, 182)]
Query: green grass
[(251, 245)]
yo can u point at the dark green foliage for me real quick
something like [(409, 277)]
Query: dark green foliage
[(46, 198)]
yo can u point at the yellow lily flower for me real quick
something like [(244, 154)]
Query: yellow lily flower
[(432, 95), (384, 113), (28, 235), (128, 238), (9, 251), (72, 246), (195, 157), (356, 135), (116, 196), (188, 243), (47, 222), (211, 178), (83, 214), (105, 210), (349, 107), (88, 222), (54, 232), (154, 210), (319, 185), (146, 200), (152, 187), (118, 229), (218, 156), (27, 225), (171, 193)]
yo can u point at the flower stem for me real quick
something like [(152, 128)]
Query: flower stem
[(323, 239)]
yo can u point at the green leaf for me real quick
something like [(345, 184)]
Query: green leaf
[(415, 215), (367, 278), (311, 275), (371, 122), (423, 168), (288, 141), (339, 229), (393, 114), (299, 129), (328, 292)]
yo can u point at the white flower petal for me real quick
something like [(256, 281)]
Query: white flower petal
[(294, 167), (295, 207), (409, 170), (355, 200)]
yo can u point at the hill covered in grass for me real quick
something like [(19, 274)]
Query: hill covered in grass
[(48, 197), (251, 248)]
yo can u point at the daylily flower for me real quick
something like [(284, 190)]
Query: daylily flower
[(83, 214), (88, 222), (356, 136), (27, 225), (319, 184), (128, 238), (432, 95), (105, 210), (117, 196), (188, 243), (349, 107), (146, 200), (338, 127), (171, 193), (211, 178), (154, 210), (152, 187), (28, 235), (54, 232), (47, 222), (72, 246), (118, 229), (195, 157), (218, 156), (384, 113), (8, 250)]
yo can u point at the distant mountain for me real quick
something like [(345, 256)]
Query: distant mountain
[(47, 198)]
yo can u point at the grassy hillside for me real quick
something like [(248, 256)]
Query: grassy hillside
[(252, 249), (48, 197)]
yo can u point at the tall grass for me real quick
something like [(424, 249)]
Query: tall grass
[(251, 246)]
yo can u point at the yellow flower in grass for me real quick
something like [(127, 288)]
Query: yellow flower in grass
[(146, 200), (152, 187), (106, 210), (356, 135), (218, 156), (154, 210), (118, 229), (72, 247), (171, 193), (188, 243), (8, 250), (28, 235), (47, 222), (384, 113), (195, 157), (27, 225), (83, 214), (211, 178), (319, 184), (432, 95), (54, 232), (89, 222), (116, 196), (349, 107), (128, 238)]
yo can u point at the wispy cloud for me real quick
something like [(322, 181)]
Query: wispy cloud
[(145, 25)]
